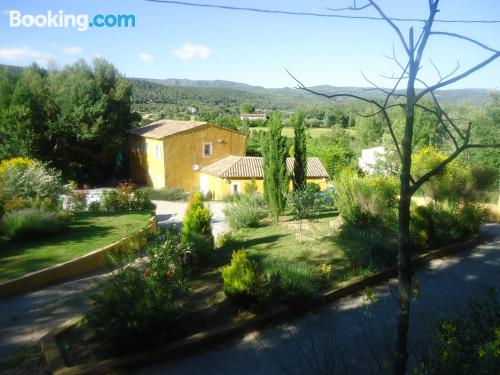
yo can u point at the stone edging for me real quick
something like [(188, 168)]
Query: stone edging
[(55, 361), (74, 267)]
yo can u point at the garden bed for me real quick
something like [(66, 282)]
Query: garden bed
[(206, 306), (69, 348), (86, 233)]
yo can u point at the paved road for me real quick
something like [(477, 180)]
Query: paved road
[(172, 213), (339, 332), (25, 319)]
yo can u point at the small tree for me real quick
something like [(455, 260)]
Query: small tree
[(196, 231), (275, 173), (247, 108), (300, 152), (303, 203)]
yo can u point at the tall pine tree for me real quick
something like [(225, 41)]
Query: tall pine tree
[(275, 174), (300, 152)]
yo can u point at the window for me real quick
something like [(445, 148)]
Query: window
[(157, 152), (235, 188), (207, 150)]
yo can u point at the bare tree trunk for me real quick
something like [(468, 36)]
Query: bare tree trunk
[(404, 251)]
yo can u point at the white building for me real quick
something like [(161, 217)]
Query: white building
[(253, 116), (370, 157)]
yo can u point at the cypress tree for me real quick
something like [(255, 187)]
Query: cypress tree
[(300, 152), (275, 174)]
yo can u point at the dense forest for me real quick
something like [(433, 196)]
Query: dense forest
[(74, 118)]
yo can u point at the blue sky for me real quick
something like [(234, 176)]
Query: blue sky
[(196, 43)]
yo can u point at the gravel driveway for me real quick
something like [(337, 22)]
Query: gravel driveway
[(173, 212)]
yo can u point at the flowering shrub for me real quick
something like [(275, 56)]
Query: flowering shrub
[(138, 305), (33, 181), (126, 197), (443, 223), (325, 271), (367, 201)]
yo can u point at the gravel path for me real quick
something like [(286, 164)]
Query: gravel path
[(339, 332), (172, 213)]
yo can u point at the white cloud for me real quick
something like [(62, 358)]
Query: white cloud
[(192, 51), (72, 50), (147, 57), (25, 53)]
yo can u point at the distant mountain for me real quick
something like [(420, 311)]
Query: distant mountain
[(471, 96), (209, 93)]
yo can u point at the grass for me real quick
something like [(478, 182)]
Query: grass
[(86, 233), (280, 241), (288, 132)]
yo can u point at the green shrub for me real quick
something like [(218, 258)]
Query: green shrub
[(290, 282), (437, 224), (240, 278), (137, 306), (31, 180), (196, 230), (468, 343), (367, 201), (251, 187), (94, 206), (31, 223), (126, 197), (77, 201), (245, 212), (225, 239), (167, 194), (368, 248)]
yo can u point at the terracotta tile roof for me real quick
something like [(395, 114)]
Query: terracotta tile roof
[(253, 167), (164, 128)]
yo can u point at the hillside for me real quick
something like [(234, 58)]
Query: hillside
[(220, 92)]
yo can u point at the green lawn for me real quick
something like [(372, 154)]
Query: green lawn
[(87, 232), (288, 132)]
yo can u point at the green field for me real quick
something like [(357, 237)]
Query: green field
[(288, 132), (87, 232)]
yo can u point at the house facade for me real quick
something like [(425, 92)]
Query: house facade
[(197, 156), (170, 152)]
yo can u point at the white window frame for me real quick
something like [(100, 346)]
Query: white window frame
[(238, 188), (211, 149)]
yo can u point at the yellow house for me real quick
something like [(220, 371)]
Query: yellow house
[(170, 152), (197, 156), (231, 174)]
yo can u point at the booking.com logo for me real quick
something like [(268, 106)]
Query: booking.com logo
[(81, 22)]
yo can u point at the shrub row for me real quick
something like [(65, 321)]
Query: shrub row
[(32, 223)]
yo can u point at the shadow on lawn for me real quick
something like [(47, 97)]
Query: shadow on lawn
[(12, 258)]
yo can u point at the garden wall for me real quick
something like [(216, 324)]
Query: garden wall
[(78, 266)]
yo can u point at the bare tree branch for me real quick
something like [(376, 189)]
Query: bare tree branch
[(382, 108), (354, 7), (453, 35), (458, 77), (440, 120), (392, 24), (424, 37)]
